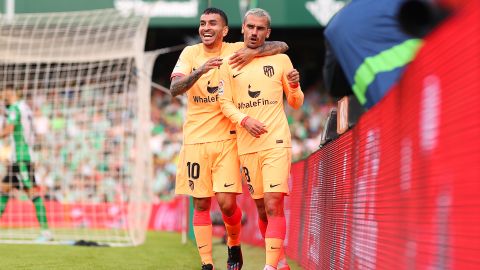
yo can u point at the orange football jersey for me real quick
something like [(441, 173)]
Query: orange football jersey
[(204, 120), (257, 91)]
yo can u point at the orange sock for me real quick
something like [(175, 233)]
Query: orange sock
[(273, 248), (233, 225), (202, 228), (274, 237)]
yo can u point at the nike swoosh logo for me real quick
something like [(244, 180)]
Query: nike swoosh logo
[(272, 186), (235, 75), (229, 185), (202, 246), (212, 90), (275, 247), (253, 94)]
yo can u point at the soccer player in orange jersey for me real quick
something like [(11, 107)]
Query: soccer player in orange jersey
[(208, 163), (252, 98)]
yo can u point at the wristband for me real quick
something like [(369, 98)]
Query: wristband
[(244, 120), (293, 85)]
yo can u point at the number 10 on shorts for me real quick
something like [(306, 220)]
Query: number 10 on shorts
[(193, 171)]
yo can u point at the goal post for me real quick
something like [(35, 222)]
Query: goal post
[(82, 74)]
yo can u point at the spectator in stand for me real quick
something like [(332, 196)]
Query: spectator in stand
[(364, 41)]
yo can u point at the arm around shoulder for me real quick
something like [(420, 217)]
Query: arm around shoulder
[(272, 48), (245, 55)]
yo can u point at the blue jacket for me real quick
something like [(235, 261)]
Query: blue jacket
[(370, 47)]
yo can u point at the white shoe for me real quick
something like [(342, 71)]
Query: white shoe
[(269, 267), (283, 265), (45, 236)]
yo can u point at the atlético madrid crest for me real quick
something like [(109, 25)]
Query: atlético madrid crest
[(191, 184), (268, 71)]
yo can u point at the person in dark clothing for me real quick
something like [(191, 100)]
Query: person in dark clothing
[(367, 50)]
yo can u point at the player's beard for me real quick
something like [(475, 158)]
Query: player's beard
[(254, 42), (254, 45)]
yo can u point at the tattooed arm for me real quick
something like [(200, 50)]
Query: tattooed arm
[(245, 55), (271, 48), (181, 83)]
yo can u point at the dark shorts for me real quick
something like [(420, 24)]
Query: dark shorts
[(18, 179)]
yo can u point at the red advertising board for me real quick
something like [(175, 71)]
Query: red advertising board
[(401, 189)]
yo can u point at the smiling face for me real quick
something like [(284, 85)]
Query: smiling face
[(255, 30), (212, 29)]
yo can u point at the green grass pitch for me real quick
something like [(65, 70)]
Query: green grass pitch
[(161, 251)]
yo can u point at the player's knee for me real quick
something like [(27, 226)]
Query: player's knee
[(227, 203), (273, 211), (202, 204), (228, 208), (273, 207)]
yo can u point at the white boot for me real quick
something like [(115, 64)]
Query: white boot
[(283, 265), (45, 236)]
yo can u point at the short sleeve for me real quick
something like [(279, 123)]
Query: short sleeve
[(184, 64)]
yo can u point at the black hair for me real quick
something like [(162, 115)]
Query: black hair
[(212, 10)]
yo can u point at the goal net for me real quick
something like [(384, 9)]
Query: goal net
[(79, 75)]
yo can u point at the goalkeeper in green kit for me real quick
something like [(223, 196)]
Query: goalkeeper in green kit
[(20, 174)]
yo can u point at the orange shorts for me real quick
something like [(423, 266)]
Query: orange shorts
[(267, 171), (207, 168)]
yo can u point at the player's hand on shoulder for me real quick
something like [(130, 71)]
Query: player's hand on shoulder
[(211, 63), (254, 127), (241, 58)]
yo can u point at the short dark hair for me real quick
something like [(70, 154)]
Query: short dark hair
[(212, 10)]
